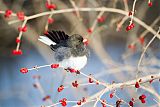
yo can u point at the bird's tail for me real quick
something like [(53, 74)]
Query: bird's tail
[(46, 40)]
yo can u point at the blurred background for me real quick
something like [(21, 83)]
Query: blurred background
[(110, 58)]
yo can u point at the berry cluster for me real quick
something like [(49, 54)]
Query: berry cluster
[(22, 29), (63, 102), (129, 27), (101, 19), (60, 88), (50, 20), (54, 65), (24, 70), (20, 15), (8, 13), (103, 103), (75, 84), (131, 103), (50, 6), (17, 52), (81, 101), (142, 98)]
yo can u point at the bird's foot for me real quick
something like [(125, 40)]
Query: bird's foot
[(71, 70)]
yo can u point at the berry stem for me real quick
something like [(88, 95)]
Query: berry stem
[(20, 34), (37, 67)]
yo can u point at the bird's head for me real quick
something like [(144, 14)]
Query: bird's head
[(76, 40)]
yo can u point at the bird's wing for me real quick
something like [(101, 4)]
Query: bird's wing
[(53, 38), (46, 40), (62, 53), (57, 36)]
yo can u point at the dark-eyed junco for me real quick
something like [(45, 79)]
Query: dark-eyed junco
[(69, 51)]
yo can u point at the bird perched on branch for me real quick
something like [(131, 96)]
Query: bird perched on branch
[(69, 51)]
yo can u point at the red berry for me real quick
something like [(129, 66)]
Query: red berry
[(150, 4), (22, 29), (143, 96), (128, 28), (20, 15), (151, 81), (89, 30), (137, 85), (15, 52), (8, 13), (131, 46), (101, 19), (75, 84), (83, 99), (141, 39), (50, 20), (118, 103), (132, 25), (18, 40), (143, 101), (50, 6), (130, 13), (72, 70), (131, 103), (103, 103), (63, 102), (90, 80), (24, 70), (79, 102), (111, 95), (54, 65), (60, 88)]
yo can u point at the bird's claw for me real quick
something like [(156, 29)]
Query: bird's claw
[(71, 70)]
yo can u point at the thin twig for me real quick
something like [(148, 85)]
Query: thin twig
[(145, 49)]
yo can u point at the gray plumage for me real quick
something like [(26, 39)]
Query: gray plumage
[(67, 46), (62, 53)]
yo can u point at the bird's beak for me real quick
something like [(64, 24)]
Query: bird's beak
[(85, 41)]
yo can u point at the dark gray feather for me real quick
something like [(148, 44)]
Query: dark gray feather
[(62, 53)]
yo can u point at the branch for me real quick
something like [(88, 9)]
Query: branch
[(145, 49), (125, 84)]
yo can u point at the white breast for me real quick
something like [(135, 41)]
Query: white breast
[(76, 63)]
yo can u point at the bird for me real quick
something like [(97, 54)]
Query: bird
[(70, 51)]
